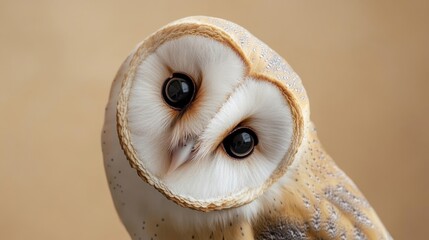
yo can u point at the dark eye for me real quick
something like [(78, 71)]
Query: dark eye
[(240, 143), (178, 91)]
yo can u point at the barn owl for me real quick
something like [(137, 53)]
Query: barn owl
[(207, 135)]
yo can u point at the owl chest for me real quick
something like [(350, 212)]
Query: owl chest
[(147, 214)]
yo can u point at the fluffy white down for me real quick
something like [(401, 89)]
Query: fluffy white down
[(225, 98)]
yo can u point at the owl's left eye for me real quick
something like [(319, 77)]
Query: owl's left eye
[(178, 90), (240, 143)]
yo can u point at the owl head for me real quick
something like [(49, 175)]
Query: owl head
[(209, 115)]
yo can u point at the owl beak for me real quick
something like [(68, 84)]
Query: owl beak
[(180, 155)]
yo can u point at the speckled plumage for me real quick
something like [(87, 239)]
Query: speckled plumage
[(306, 197), (321, 203)]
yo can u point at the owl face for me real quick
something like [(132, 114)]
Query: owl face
[(201, 126)]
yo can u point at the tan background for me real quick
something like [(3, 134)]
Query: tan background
[(365, 66)]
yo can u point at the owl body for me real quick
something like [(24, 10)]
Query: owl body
[(207, 135)]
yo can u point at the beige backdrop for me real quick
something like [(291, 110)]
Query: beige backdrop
[(365, 66)]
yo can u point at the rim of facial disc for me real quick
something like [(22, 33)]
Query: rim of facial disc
[(222, 202)]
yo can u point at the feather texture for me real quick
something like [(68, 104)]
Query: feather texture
[(288, 188)]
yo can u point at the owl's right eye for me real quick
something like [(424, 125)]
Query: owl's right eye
[(240, 143), (178, 90)]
